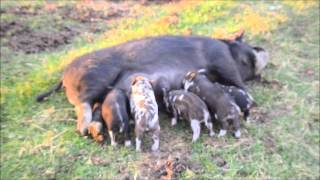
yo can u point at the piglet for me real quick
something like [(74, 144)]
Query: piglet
[(115, 113), (220, 104), (242, 98), (144, 109), (190, 107)]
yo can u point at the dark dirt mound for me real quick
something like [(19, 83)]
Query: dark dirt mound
[(39, 28), (260, 115), (23, 38), (270, 143), (33, 29), (88, 15), (148, 2)]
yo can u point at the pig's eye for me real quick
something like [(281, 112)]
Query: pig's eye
[(244, 61)]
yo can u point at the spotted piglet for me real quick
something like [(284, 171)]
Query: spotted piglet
[(220, 104), (190, 107), (144, 109), (96, 126), (115, 115), (242, 98)]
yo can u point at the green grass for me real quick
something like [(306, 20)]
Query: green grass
[(39, 141)]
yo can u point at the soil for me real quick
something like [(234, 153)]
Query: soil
[(270, 144), (59, 24), (19, 33), (172, 158), (259, 115), (148, 2), (272, 84)]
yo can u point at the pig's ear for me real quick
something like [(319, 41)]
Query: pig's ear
[(258, 49), (239, 36)]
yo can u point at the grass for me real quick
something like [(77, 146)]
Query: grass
[(39, 140)]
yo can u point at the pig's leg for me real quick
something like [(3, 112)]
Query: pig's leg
[(84, 117)]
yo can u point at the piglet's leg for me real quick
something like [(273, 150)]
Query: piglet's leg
[(173, 121), (138, 133), (223, 131), (237, 133), (138, 144), (175, 117), (236, 126), (247, 116), (112, 138), (127, 142), (208, 123), (210, 127), (156, 139), (195, 126)]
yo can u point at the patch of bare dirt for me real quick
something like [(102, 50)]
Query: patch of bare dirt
[(259, 115), (173, 157), (270, 144), (22, 38), (99, 161), (28, 32), (271, 84), (308, 73), (149, 2), (57, 25)]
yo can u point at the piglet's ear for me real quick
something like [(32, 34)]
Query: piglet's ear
[(134, 80), (192, 75), (153, 83), (202, 71)]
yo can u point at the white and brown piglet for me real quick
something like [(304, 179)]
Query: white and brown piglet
[(144, 110), (242, 98), (220, 104), (190, 107), (115, 109)]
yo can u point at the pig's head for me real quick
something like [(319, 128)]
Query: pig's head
[(250, 60)]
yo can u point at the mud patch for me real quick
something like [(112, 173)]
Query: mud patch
[(219, 161), (260, 116), (33, 29), (271, 84), (269, 144), (149, 2), (170, 167), (308, 74), (22, 38), (99, 161), (174, 155)]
